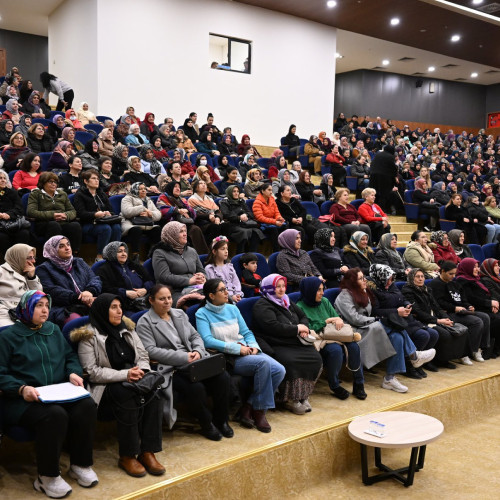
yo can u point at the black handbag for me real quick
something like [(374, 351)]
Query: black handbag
[(142, 220), (395, 322), (457, 330), (13, 225), (149, 382), (184, 220), (249, 224), (108, 219), (204, 368)]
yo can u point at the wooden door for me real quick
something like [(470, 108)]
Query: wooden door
[(3, 62)]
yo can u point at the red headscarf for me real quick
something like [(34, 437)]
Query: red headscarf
[(486, 269), (465, 270), (150, 126)]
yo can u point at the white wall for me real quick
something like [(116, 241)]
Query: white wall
[(73, 49), (154, 55)]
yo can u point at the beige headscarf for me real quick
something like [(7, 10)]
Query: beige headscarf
[(16, 256), (170, 235)]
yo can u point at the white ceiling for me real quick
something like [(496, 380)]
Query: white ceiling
[(359, 51), (364, 52)]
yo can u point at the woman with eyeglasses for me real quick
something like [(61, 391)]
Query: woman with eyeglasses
[(53, 212)]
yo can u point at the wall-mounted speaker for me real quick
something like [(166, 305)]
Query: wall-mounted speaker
[(419, 83)]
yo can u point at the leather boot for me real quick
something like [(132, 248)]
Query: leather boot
[(148, 460), (259, 417), (358, 391), (411, 372), (246, 416), (131, 466)]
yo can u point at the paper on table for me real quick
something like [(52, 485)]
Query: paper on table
[(60, 393)]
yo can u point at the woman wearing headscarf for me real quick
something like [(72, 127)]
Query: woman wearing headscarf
[(477, 294), (124, 277), (173, 206), (326, 257), (222, 327), (56, 127), (426, 309), (140, 217), (245, 145), (252, 183), (68, 134), (388, 255), (293, 262), (112, 353), (282, 325), (34, 353), (285, 179), (390, 301), (203, 174), (14, 152), (6, 131), (489, 272), (135, 138), (441, 248), (419, 255), (68, 279), (12, 111), (73, 120), (120, 159), (231, 178), (455, 211), (38, 140), (84, 115), (314, 153), (149, 164), (327, 187), (189, 131), (244, 229), (482, 219), (357, 253), (90, 156), (17, 276), (206, 145), (457, 242), (106, 142), (122, 128), (227, 147), (148, 127), (175, 263), (292, 141), (247, 164), (320, 312), (136, 175), (439, 193)]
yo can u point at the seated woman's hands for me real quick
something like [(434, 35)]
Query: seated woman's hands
[(318, 192), (338, 322), (445, 322), (86, 298), (404, 312), (134, 374), (29, 269), (60, 216), (30, 394), (100, 214), (236, 298), (76, 379), (4, 216), (344, 269), (197, 279), (303, 330), (243, 217), (146, 213), (193, 356)]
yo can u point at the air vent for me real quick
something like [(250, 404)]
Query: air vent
[(450, 66), (406, 59), (491, 71), (490, 8), (460, 79), (417, 74)]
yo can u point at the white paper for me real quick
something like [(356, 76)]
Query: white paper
[(59, 393)]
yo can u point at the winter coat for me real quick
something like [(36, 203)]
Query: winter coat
[(86, 206), (420, 258), (354, 258), (42, 207), (132, 206), (443, 253)]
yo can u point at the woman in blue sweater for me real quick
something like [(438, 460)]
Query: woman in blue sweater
[(222, 327)]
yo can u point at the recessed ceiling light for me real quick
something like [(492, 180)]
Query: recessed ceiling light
[(338, 56), (394, 21), (473, 75), (477, 2), (331, 3), (431, 68), (455, 38), (385, 62)]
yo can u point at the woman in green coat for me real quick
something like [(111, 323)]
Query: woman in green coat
[(34, 353)]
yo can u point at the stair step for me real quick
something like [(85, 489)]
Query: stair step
[(397, 227)]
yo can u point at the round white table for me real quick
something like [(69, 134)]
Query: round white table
[(403, 429)]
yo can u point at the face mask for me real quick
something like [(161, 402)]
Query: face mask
[(72, 117), (203, 163)]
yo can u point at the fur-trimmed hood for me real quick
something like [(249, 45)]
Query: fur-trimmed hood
[(349, 248), (87, 331)]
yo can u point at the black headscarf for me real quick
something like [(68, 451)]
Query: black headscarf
[(190, 131), (89, 149), (176, 201), (120, 353)]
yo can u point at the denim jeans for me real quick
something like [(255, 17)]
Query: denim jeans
[(334, 355), (493, 232), (103, 233), (267, 375), (425, 338), (403, 346)]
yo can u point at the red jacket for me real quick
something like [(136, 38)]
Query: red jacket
[(367, 212), (444, 253), (345, 215)]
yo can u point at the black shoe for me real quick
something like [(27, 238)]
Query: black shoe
[(358, 391), (411, 371), (448, 364), (431, 367), (211, 432), (225, 430), (421, 372), (340, 392)]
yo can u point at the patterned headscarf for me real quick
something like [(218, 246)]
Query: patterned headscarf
[(380, 274), (322, 239), (129, 163), (355, 239), (50, 251), (134, 189), (421, 185), (27, 304), (268, 290), (486, 269), (154, 165), (118, 150), (9, 105), (111, 250), (287, 239), (437, 237), (308, 289), (170, 235)]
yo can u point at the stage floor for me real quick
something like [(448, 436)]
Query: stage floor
[(187, 452)]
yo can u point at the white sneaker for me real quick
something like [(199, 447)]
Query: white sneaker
[(394, 385), (423, 357), (466, 361), (295, 407), (306, 404), (53, 487), (85, 476), (478, 356)]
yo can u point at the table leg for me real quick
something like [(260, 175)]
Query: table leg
[(378, 459), (411, 467), (364, 465), (421, 457)]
